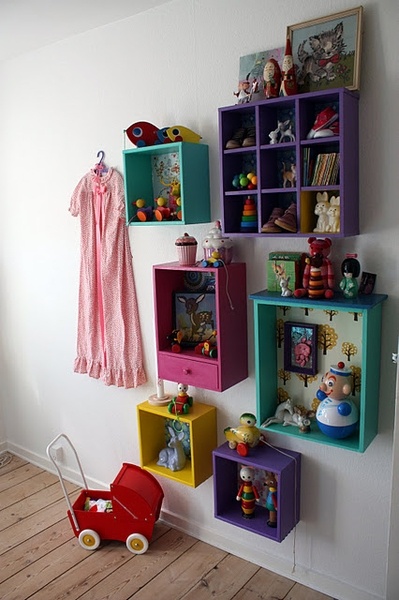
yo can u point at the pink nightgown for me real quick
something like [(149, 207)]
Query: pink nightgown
[(109, 338)]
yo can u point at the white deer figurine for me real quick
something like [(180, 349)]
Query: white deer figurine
[(284, 412)]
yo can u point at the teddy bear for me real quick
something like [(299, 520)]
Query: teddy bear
[(318, 276)]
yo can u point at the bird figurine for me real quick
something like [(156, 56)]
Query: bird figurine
[(178, 133), (143, 133), (245, 436)]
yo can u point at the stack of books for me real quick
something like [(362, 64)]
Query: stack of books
[(326, 169)]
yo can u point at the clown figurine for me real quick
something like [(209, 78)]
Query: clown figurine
[(248, 494), (337, 416)]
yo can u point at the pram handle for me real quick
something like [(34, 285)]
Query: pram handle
[(51, 457)]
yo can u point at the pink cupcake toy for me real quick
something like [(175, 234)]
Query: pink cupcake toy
[(186, 250)]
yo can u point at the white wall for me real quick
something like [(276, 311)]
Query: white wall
[(177, 64)]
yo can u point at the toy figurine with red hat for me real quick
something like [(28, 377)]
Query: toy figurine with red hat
[(271, 78), (288, 85)]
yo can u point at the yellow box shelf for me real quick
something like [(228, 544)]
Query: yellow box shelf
[(201, 423)]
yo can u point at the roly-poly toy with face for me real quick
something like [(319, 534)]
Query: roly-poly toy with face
[(337, 415)]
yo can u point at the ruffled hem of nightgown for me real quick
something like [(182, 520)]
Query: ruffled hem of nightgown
[(121, 378)]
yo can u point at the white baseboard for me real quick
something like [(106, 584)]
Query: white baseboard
[(317, 581), (42, 461)]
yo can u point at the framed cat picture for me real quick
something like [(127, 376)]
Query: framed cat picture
[(326, 51)]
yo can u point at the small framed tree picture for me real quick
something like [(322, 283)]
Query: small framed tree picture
[(300, 348)]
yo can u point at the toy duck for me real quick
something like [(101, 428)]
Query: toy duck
[(245, 436)]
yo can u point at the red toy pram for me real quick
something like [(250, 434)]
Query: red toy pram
[(134, 503)]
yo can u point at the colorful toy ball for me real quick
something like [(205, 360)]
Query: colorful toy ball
[(244, 181)]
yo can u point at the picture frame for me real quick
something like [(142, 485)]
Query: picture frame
[(367, 283), (195, 317), (300, 347), (318, 69)]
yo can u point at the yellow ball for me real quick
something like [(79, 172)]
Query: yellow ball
[(140, 203), (161, 201), (250, 175)]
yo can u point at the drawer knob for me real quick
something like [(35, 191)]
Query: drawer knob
[(186, 371)]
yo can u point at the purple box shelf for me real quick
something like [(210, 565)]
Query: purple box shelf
[(285, 464), (267, 160)]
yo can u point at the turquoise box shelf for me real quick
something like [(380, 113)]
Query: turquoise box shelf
[(151, 170), (353, 328)]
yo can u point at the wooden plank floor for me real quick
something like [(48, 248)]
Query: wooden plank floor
[(41, 559)]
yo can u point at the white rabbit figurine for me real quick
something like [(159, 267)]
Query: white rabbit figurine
[(334, 214), (173, 457), (320, 210)]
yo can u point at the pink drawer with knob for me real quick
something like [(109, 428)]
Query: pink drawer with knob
[(199, 373)]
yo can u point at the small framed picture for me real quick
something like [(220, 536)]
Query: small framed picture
[(367, 283), (327, 51), (195, 317), (300, 348)]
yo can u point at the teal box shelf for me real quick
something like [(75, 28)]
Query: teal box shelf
[(348, 331), (151, 171)]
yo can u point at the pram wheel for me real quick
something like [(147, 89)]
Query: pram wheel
[(137, 543), (89, 539)]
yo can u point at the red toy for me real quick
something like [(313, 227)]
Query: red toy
[(182, 402), (318, 276), (207, 349), (288, 76), (272, 78), (133, 506)]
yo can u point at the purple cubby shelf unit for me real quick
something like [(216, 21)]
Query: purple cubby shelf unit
[(285, 464), (269, 161)]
